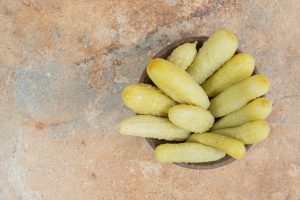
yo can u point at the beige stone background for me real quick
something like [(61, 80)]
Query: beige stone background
[(63, 65)]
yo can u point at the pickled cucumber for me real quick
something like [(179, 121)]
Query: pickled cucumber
[(238, 68), (191, 118), (248, 133), (183, 55), (257, 109), (176, 83), (146, 99), (219, 48), (187, 153), (152, 127), (239, 95), (232, 147)]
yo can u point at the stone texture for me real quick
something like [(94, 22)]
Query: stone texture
[(63, 65)]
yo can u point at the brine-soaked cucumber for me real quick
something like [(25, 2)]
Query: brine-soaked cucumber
[(219, 48), (146, 99), (238, 68), (152, 127), (239, 95), (258, 109), (176, 83), (248, 133), (191, 118), (187, 153), (232, 147), (183, 55)]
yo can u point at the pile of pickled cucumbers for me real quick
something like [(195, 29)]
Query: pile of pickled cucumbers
[(206, 100)]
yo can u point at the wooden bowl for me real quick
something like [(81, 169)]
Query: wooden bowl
[(164, 53)]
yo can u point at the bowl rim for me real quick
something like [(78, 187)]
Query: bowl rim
[(164, 53)]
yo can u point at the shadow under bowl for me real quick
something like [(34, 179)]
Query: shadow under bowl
[(164, 53)]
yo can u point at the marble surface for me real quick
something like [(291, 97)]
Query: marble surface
[(63, 65)]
